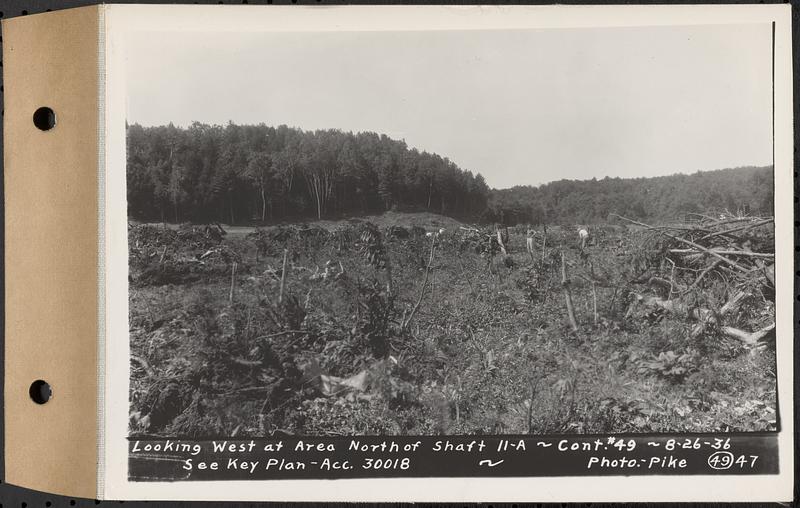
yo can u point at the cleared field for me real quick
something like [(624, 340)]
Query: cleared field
[(374, 327)]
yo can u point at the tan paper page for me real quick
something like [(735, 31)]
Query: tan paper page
[(51, 223)]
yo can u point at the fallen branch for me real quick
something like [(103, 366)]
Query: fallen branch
[(751, 339), (687, 242), (739, 228), (246, 363), (703, 274), (733, 303), (724, 252)]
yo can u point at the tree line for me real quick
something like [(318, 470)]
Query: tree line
[(257, 173), (664, 198)]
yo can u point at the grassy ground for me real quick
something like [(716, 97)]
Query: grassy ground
[(219, 349)]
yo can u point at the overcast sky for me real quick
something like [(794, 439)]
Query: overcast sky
[(519, 107)]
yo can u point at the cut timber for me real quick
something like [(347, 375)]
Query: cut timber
[(751, 339), (733, 303)]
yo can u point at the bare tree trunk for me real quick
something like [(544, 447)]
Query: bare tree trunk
[(433, 286), (263, 204), (567, 294), (529, 244), (407, 321), (544, 241), (500, 242), (283, 275), (233, 282)]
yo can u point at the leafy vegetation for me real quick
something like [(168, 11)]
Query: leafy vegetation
[(746, 190), (417, 323), (387, 326), (257, 174)]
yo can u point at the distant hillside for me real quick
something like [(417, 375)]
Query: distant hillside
[(257, 174), (661, 198)]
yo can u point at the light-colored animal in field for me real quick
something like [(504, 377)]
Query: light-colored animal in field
[(430, 234)]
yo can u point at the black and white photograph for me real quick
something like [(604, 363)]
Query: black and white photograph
[(562, 231)]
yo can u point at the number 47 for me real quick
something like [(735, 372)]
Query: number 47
[(742, 460)]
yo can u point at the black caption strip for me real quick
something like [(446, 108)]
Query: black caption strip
[(460, 456)]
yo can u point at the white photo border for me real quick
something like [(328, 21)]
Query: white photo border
[(122, 20)]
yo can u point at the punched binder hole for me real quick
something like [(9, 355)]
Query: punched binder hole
[(44, 118), (40, 391)]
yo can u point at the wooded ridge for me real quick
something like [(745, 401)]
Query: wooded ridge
[(252, 174)]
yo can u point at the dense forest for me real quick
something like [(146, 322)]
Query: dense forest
[(256, 173), (738, 190)]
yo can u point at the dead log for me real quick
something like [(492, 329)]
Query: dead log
[(749, 338)]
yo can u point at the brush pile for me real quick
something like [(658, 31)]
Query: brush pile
[(717, 271)]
